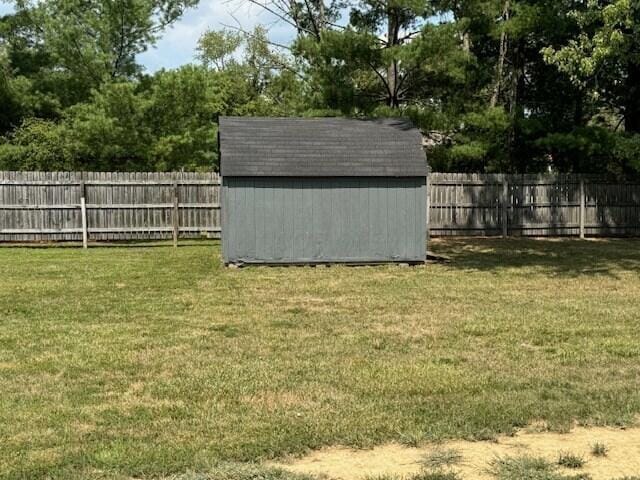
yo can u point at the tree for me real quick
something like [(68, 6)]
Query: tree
[(605, 55), (40, 145), (29, 83), (181, 113), (258, 80), (216, 47), (98, 40)]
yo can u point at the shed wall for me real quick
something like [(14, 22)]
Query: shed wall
[(323, 219)]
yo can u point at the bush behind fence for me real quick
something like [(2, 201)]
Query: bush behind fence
[(102, 206)]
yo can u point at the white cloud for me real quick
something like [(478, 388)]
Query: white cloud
[(178, 44)]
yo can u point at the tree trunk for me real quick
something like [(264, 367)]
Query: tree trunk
[(578, 110), (504, 41), (517, 81), (516, 94), (632, 100), (392, 70), (321, 15), (392, 80), (466, 42)]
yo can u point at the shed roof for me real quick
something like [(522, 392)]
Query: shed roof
[(314, 147)]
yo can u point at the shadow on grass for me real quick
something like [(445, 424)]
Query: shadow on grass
[(555, 256), (569, 257)]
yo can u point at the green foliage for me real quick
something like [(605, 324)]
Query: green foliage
[(162, 122), (111, 127), (627, 151), (216, 47), (604, 55), (98, 40), (593, 150), (495, 85), (582, 148), (40, 145), (181, 114), (609, 32), (480, 143)]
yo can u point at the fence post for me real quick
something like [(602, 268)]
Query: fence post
[(505, 206), (83, 213), (428, 186), (175, 217), (583, 208)]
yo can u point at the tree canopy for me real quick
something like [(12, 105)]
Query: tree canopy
[(494, 85)]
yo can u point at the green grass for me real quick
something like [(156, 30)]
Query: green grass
[(154, 362), (523, 468)]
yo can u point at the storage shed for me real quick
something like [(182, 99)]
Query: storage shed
[(322, 190)]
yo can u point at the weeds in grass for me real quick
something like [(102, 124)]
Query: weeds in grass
[(435, 475), (599, 449), (442, 458), (410, 441), (241, 471), (570, 460), (484, 435), (529, 468)]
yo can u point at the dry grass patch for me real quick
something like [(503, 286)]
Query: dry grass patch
[(535, 456)]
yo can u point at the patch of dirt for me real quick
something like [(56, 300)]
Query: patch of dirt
[(622, 459)]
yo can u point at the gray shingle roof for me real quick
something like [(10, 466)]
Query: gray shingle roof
[(310, 147)]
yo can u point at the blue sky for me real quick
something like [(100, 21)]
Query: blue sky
[(177, 46), (4, 8)]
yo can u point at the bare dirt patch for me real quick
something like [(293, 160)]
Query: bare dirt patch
[(474, 458)]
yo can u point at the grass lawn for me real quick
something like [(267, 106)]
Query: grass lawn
[(125, 362)]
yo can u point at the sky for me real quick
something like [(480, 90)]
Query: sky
[(177, 46)]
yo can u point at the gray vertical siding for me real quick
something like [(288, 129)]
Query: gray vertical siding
[(326, 219)]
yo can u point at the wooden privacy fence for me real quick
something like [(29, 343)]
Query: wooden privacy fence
[(532, 205), (108, 206), (49, 206)]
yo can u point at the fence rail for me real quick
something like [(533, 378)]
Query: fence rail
[(83, 206)]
